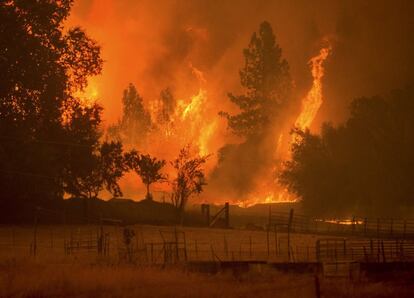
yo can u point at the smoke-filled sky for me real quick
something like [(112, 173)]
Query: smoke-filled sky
[(151, 43), (154, 43)]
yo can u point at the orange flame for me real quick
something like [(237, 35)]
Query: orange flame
[(194, 116), (313, 100)]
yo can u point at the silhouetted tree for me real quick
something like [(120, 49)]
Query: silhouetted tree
[(168, 104), (42, 67), (135, 122), (267, 82), (189, 179), (102, 168), (364, 166), (148, 168)]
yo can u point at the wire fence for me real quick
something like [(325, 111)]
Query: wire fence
[(149, 244), (385, 228)]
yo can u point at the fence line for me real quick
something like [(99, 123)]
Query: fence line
[(386, 228)]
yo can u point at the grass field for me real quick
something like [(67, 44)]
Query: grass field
[(85, 273), (26, 279), (201, 243)]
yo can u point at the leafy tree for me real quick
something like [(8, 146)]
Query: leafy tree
[(189, 180), (267, 82), (101, 169), (363, 166), (148, 168), (42, 67), (135, 122)]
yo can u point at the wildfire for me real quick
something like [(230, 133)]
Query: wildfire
[(268, 198), (195, 106), (195, 117), (313, 100), (310, 107)]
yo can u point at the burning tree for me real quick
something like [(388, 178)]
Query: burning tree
[(148, 168), (135, 122), (189, 180)]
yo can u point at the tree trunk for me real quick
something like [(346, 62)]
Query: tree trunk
[(148, 196)]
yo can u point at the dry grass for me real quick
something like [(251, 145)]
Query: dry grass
[(52, 274), (27, 279), (15, 241)]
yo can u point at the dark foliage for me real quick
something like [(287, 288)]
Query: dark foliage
[(44, 129), (364, 166)]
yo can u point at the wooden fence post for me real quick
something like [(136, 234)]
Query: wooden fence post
[(276, 242), (152, 253), (365, 226), (269, 223), (378, 227), (289, 228), (383, 252), (353, 224), (240, 251), (405, 228), (318, 250), (317, 287), (35, 234), (227, 215), (267, 241), (51, 238), (378, 250), (250, 246)]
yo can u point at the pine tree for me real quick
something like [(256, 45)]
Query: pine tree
[(266, 79)]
